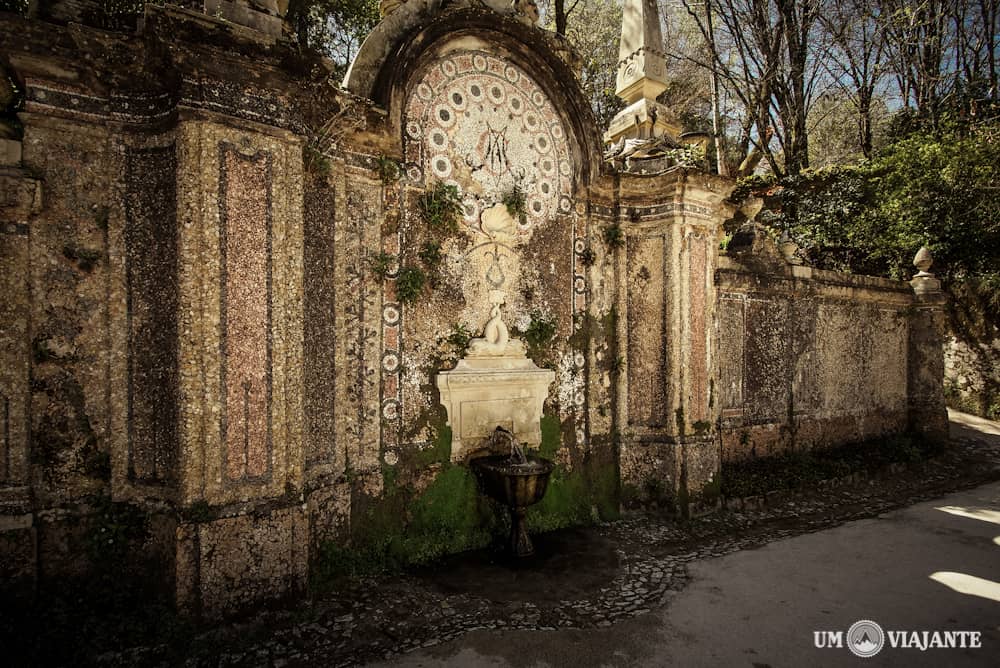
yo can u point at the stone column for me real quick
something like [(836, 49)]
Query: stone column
[(925, 372), (668, 415), (245, 534), (20, 198)]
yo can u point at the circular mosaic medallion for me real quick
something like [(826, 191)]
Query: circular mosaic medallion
[(482, 122)]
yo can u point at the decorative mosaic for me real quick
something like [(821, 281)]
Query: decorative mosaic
[(481, 123), (698, 363), (245, 250), (151, 284)]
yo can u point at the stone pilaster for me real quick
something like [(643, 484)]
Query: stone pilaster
[(925, 362), (20, 199)]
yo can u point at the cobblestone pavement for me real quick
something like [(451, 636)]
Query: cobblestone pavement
[(583, 578)]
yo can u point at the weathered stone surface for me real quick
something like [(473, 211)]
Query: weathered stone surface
[(232, 311), (232, 564)]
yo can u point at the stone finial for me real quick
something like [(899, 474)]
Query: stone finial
[(789, 249), (642, 76), (924, 282), (642, 67), (923, 261)]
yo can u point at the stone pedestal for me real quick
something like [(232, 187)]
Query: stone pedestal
[(486, 390)]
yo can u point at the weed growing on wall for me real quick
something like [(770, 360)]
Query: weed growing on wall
[(381, 265), (614, 237), (430, 254), (538, 336), (410, 284), (315, 162), (440, 206), (388, 169), (516, 203)]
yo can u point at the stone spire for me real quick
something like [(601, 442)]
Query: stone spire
[(642, 75)]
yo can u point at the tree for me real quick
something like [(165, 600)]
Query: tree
[(767, 55), (856, 61), (334, 27)]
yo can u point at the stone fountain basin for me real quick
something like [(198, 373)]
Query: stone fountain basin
[(515, 485)]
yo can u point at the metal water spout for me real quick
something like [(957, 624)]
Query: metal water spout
[(516, 457)]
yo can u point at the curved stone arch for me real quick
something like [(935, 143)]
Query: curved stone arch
[(391, 60)]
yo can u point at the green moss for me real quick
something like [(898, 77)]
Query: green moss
[(588, 257), (403, 528), (566, 503), (604, 493), (440, 451), (551, 436), (390, 474)]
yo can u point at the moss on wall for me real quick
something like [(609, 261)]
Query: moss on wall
[(406, 527)]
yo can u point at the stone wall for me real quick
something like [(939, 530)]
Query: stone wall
[(227, 313), (811, 359), (972, 375)]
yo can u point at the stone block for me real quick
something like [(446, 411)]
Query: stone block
[(10, 153), (235, 563)]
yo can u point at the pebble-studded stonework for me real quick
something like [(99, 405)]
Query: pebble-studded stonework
[(375, 619), (481, 123)]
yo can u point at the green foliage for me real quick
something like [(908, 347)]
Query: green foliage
[(430, 254), (933, 190), (516, 203), (459, 338), (410, 284), (334, 27), (388, 169), (539, 334), (440, 207), (381, 265), (315, 161), (613, 235)]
